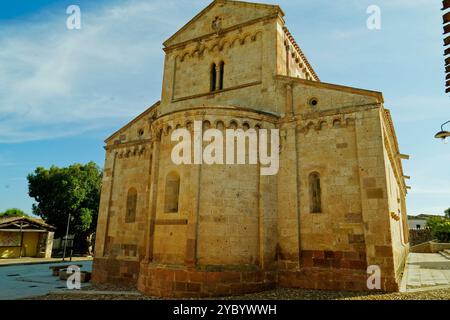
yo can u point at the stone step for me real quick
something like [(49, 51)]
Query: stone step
[(445, 254)]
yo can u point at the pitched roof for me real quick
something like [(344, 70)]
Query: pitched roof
[(8, 221), (300, 52), (129, 124)]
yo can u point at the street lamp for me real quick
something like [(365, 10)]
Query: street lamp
[(443, 134), (67, 236)]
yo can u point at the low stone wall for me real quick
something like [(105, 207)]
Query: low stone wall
[(331, 279), (418, 236), (430, 247), (178, 282), (326, 270)]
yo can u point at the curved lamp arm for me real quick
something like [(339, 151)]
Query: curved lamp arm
[(443, 134), (442, 126)]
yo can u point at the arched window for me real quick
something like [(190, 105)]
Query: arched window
[(172, 192), (222, 69), (130, 215), (213, 77), (315, 193)]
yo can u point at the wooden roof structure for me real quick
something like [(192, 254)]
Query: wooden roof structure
[(24, 224)]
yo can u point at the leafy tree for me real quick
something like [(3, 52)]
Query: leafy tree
[(74, 190), (447, 213), (440, 228), (13, 212)]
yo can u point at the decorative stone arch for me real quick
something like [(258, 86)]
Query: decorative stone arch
[(233, 123), (337, 123), (206, 124), (310, 126), (183, 56), (244, 38), (234, 40), (220, 125)]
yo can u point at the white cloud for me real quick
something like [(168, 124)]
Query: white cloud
[(56, 82)]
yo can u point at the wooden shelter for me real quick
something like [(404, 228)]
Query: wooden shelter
[(25, 237)]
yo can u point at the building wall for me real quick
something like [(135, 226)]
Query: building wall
[(219, 211), (290, 61), (234, 228), (396, 202), (413, 223), (127, 165), (249, 54)]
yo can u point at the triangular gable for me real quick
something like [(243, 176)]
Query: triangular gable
[(231, 13)]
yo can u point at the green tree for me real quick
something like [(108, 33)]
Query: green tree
[(74, 190), (440, 228), (13, 212), (447, 213)]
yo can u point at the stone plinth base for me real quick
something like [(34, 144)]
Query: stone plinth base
[(212, 281), (331, 279), (107, 270), (166, 281)]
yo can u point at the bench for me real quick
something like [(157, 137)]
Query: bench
[(55, 269)]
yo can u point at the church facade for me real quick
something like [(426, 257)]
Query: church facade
[(335, 208)]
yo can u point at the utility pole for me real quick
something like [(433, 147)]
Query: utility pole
[(67, 235)]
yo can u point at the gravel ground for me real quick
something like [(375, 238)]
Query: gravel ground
[(278, 294)]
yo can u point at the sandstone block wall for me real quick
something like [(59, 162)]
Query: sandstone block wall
[(201, 230)]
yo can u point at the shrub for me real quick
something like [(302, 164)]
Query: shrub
[(440, 228)]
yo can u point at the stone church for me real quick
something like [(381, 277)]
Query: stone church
[(336, 207)]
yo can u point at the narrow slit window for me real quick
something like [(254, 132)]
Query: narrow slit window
[(172, 192), (315, 193), (213, 77), (131, 206), (222, 69)]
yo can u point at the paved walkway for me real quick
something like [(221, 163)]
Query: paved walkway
[(426, 271), (23, 281), (9, 262)]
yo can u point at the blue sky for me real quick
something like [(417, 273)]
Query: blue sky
[(63, 91)]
